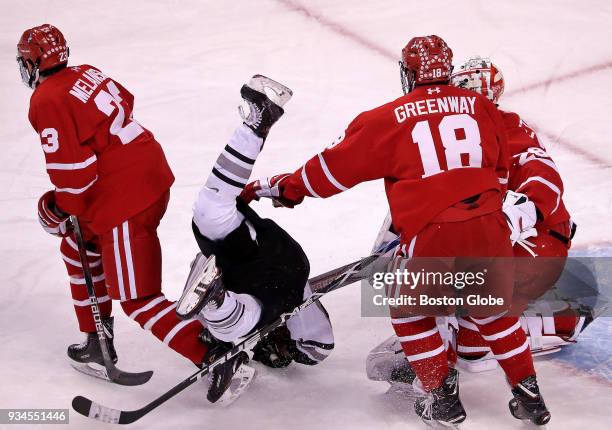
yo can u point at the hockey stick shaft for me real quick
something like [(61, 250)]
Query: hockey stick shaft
[(325, 283), (114, 374)]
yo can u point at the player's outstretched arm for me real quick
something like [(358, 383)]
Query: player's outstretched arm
[(357, 156)]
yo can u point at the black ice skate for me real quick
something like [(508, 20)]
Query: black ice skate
[(227, 380), (528, 403), (265, 99), (87, 357), (204, 287), (443, 404)]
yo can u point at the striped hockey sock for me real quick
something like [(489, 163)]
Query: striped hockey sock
[(233, 167), (424, 349)]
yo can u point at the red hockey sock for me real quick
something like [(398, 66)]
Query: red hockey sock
[(422, 344), (157, 314), (469, 340), (509, 343)]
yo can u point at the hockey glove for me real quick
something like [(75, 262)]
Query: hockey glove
[(271, 188), (52, 219), (521, 216)]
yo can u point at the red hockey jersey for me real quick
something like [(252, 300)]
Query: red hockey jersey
[(434, 147), (104, 165), (533, 172)]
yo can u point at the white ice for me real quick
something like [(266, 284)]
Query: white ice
[(185, 62)]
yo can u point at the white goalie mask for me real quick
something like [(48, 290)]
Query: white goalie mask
[(480, 75)]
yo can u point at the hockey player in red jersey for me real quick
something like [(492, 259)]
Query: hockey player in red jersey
[(546, 235), (443, 154), (548, 228), (110, 172)]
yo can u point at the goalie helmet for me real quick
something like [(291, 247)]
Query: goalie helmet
[(40, 49), (425, 60), (480, 75)]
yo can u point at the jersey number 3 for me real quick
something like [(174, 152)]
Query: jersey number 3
[(459, 135), (107, 101)]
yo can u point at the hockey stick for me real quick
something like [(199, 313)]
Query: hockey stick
[(321, 285), (113, 374)]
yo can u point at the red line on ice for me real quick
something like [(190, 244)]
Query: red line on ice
[(561, 78), (338, 28)]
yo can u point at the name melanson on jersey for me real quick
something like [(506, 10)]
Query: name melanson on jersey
[(447, 104), (84, 87)]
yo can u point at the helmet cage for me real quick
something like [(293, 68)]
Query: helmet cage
[(407, 78), (29, 78)]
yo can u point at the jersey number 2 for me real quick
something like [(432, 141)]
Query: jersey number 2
[(107, 102), (454, 147)]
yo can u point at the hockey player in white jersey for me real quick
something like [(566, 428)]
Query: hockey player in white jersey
[(250, 270)]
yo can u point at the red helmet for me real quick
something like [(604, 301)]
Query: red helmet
[(425, 60), (480, 75), (40, 49)]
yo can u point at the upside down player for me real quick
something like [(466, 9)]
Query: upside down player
[(443, 154), (110, 172), (250, 270)]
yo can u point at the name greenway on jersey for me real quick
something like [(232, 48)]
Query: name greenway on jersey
[(447, 104)]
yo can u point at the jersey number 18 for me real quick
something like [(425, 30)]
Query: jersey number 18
[(453, 146)]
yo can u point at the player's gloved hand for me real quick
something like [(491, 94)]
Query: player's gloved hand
[(521, 216), (271, 188), (52, 219)]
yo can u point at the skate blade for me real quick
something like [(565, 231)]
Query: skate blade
[(203, 272), (278, 93), (91, 369), (240, 382), (541, 352), (442, 425)]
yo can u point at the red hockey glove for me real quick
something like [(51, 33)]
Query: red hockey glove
[(52, 219), (271, 188)]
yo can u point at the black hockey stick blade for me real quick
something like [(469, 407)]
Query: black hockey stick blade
[(98, 412), (121, 377)]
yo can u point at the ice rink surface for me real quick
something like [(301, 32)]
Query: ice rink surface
[(185, 62)]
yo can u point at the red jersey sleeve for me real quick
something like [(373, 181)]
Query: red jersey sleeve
[(354, 157), (502, 168), (71, 166), (520, 135), (535, 174)]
